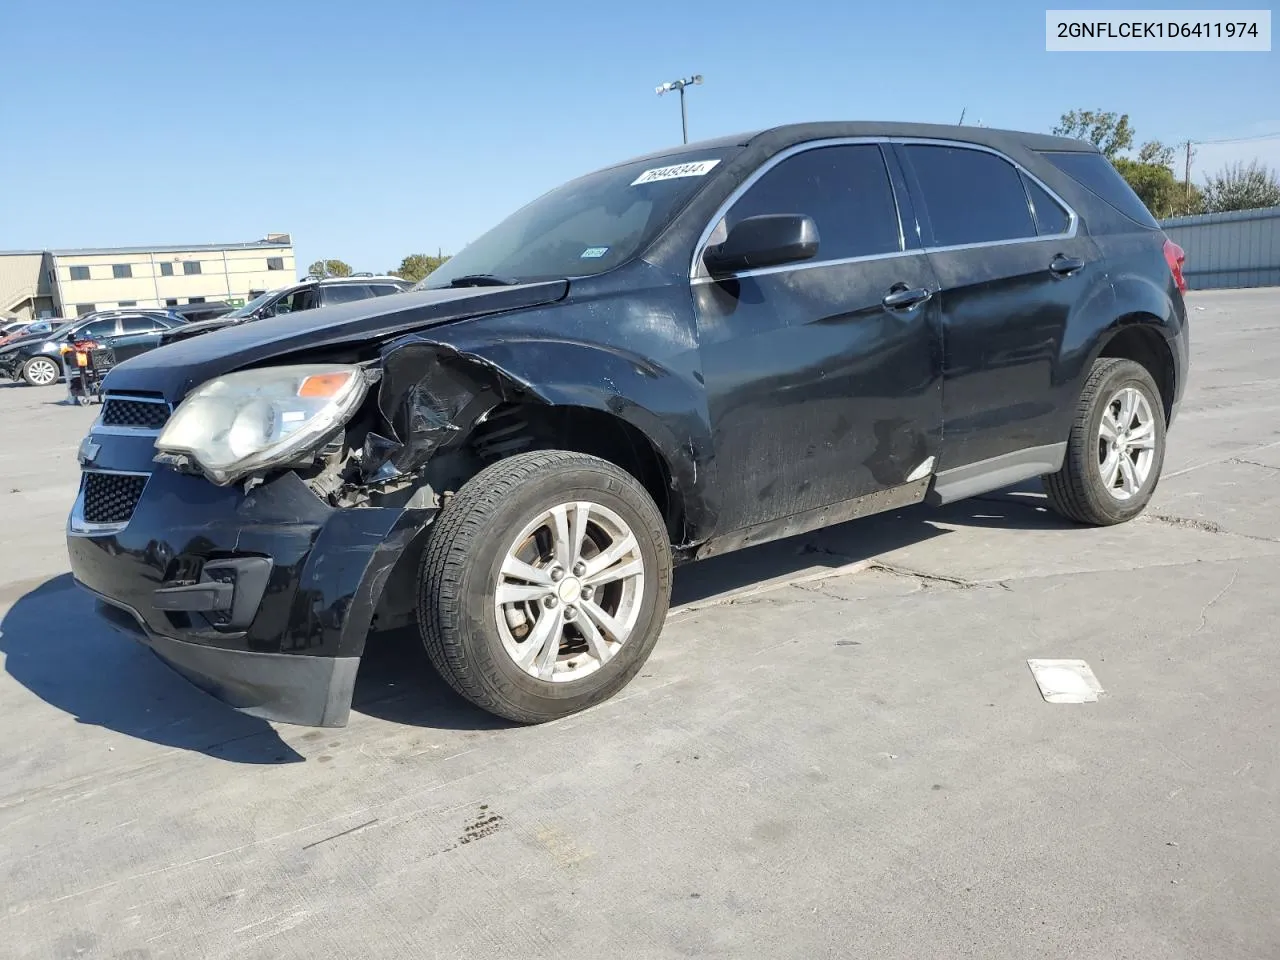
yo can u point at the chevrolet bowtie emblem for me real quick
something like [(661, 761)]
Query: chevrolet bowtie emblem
[(88, 451)]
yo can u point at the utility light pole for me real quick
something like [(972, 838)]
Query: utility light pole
[(680, 85)]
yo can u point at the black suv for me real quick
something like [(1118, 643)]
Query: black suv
[(39, 358), (307, 294), (671, 358)]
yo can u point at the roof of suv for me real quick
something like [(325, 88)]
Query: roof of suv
[(782, 136)]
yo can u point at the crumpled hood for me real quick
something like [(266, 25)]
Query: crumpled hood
[(174, 369)]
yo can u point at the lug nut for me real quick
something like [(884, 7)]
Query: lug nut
[(570, 612), (550, 602), (587, 592), (557, 574), (579, 568)]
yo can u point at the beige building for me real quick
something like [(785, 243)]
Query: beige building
[(67, 283)]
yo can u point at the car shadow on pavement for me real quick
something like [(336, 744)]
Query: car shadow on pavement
[(55, 646), (398, 683), (1021, 507)]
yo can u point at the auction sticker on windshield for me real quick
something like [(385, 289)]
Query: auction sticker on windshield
[(698, 168)]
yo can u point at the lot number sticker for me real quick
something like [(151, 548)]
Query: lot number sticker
[(699, 168)]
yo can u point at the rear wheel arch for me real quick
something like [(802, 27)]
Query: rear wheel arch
[(1140, 337)]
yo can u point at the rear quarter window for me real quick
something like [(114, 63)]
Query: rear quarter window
[(1096, 174)]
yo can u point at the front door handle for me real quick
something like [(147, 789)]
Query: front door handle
[(902, 297), (1061, 266)]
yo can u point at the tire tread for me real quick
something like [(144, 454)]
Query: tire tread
[(447, 552)]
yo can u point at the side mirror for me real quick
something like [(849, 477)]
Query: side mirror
[(768, 240)]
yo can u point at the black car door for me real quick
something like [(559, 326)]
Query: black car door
[(818, 392), (1014, 266)]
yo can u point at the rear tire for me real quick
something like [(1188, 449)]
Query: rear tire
[(1115, 451), (518, 618)]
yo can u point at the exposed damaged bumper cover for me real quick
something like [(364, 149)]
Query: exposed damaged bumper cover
[(262, 599)]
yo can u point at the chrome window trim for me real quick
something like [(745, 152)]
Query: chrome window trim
[(123, 431), (698, 274), (78, 526), (1073, 219)]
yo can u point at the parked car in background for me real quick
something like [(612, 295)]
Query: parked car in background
[(30, 329), (197, 312), (307, 294), (39, 358), (672, 358)]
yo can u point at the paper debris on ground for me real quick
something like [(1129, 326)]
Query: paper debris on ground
[(1065, 681)]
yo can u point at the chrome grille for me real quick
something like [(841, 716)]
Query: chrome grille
[(139, 414), (111, 497)]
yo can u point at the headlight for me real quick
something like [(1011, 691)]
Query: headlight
[(251, 421)]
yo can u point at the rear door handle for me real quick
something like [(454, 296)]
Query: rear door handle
[(1065, 266), (902, 297)]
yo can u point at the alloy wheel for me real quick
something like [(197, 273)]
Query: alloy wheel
[(1126, 443), (42, 372), (569, 591)]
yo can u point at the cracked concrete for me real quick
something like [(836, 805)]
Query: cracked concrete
[(835, 749)]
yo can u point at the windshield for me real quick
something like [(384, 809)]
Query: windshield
[(586, 226), (248, 308)]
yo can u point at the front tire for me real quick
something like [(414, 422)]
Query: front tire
[(544, 585), (1116, 448), (40, 372)]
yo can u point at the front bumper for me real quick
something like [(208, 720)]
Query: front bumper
[(314, 691), (262, 599)]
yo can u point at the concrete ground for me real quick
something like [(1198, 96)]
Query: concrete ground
[(836, 750)]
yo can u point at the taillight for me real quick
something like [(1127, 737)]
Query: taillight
[(1175, 257)]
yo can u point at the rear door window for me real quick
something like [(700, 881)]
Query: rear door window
[(385, 289), (971, 196), (140, 324), (1096, 174), (845, 189), (345, 293)]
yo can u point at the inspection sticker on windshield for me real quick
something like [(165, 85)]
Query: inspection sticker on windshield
[(699, 168), (593, 253)]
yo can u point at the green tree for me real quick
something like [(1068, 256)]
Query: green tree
[(1109, 132), (330, 268), (1162, 193), (418, 265), (1240, 187), (1150, 173)]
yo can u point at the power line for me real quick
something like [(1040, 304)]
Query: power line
[(1260, 136)]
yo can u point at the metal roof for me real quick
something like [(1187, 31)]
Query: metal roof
[(174, 248)]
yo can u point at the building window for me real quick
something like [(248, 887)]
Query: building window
[(79, 273), (166, 269), (172, 301), (51, 277), (190, 267), (121, 271), (83, 308), (128, 303), (275, 263), (195, 299)]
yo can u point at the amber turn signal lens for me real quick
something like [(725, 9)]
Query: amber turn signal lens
[(323, 384)]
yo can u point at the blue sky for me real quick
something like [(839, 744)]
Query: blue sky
[(372, 130)]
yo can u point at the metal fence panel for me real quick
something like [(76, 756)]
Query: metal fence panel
[(1237, 249)]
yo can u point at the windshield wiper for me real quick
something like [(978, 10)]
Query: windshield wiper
[(482, 280)]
